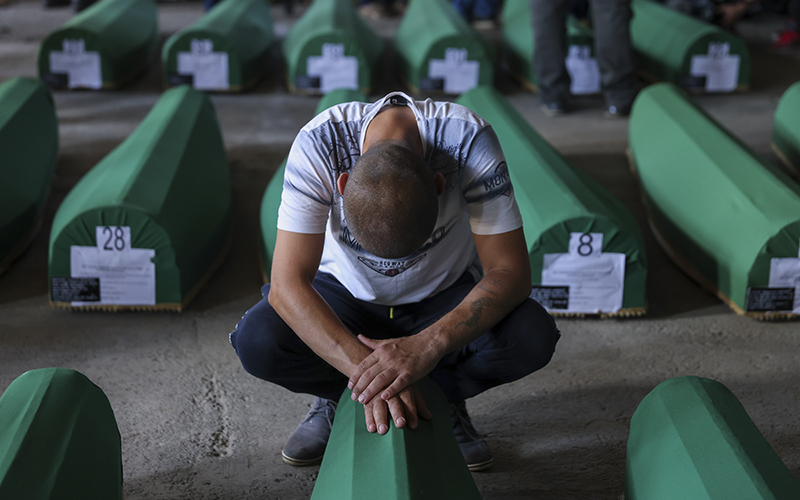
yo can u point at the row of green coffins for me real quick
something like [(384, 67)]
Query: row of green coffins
[(726, 216), (670, 46), (144, 200), (583, 243), (28, 152), (332, 47), (146, 227), (228, 49), (690, 438)]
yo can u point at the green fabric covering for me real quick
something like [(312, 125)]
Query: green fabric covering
[(666, 40), (786, 131), (423, 464), (723, 210), (430, 28), (691, 439), (557, 199), (242, 29), (271, 200), (123, 32), (58, 439), (28, 152), (334, 22), (169, 181), (518, 44)]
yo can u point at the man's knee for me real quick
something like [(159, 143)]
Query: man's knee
[(257, 341), (535, 335)]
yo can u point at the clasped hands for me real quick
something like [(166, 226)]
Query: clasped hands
[(384, 381)]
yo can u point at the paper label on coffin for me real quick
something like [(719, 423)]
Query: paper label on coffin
[(595, 279), (459, 74), (82, 68), (127, 275), (334, 69), (720, 69), (785, 273), (584, 72), (209, 69)]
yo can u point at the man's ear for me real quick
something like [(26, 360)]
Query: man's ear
[(340, 182), (438, 180)]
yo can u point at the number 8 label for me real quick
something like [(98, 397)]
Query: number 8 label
[(113, 238), (586, 244)]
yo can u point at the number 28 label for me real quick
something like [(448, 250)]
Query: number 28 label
[(113, 238)]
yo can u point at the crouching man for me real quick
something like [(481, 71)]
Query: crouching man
[(399, 254)]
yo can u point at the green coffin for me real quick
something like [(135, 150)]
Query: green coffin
[(28, 152), (680, 49), (691, 439), (438, 51), (423, 464), (518, 45), (104, 46), (727, 217), (147, 226), (331, 47), (786, 131), (272, 195), (225, 50), (58, 439), (586, 251)]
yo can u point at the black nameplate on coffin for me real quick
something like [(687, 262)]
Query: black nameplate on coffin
[(75, 289), (427, 83), (692, 82), (307, 82), (551, 297), (56, 80), (770, 299), (175, 79)]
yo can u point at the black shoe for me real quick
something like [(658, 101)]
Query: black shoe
[(306, 445), (617, 111), (475, 450), (553, 108)]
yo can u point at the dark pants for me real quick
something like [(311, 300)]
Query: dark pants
[(518, 345), (612, 44)]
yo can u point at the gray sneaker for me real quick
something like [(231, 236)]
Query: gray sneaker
[(475, 450), (306, 445)]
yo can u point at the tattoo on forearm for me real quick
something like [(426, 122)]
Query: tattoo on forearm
[(476, 308)]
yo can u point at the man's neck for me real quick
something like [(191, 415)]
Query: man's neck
[(394, 123)]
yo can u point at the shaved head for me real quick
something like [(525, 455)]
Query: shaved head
[(390, 201)]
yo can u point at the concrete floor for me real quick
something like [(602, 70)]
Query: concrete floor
[(195, 426)]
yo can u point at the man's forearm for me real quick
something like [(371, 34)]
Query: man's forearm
[(312, 319), (492, 298)]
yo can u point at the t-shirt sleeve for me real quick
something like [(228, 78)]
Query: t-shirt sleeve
[(487, 187), (308, 187)]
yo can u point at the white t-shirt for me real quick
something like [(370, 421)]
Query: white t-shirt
[(478, 197)]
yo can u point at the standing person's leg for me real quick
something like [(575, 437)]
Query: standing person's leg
[(789, 36), (487, 9), (612, 42), (793, 10), (465, 8), (550, 52)]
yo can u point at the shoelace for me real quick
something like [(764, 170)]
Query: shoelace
[(324, 407), (462, 423)]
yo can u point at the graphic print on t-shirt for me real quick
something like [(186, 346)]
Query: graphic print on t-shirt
[(341, 143), (390, 268)]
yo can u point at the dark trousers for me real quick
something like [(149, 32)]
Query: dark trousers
[(518, 345), (612, 44)]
